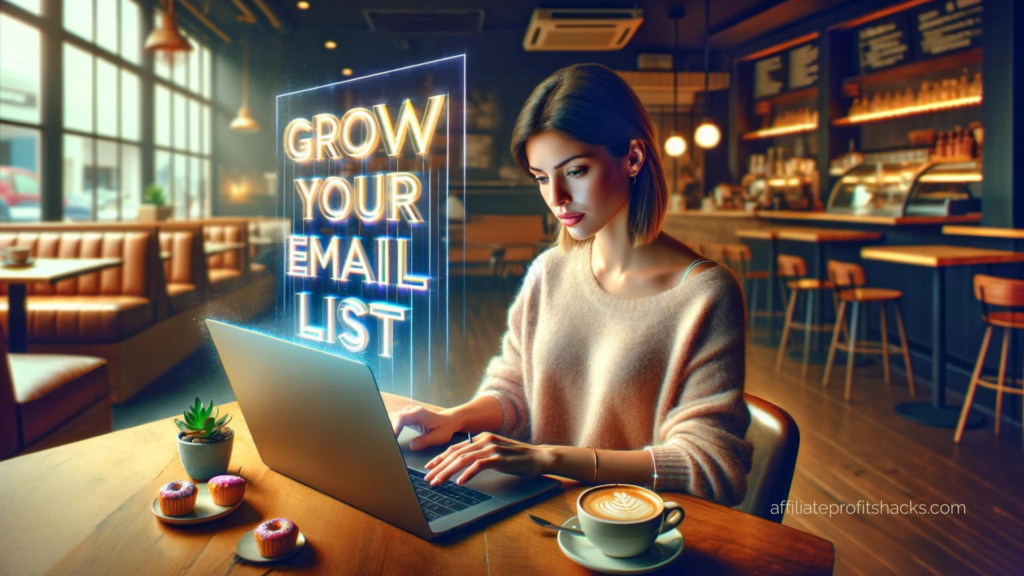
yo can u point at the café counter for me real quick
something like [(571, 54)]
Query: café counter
[(788, 232)]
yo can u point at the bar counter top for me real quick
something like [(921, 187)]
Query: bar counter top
[(830, 217)]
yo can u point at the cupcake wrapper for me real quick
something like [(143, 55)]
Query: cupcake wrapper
[(278, 546), (227, 495)]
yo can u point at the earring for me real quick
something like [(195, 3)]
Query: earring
[(632, 177)]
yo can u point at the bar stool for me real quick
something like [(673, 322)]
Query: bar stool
[(994, 291), (793, 269), (848, 280), (737, 257)]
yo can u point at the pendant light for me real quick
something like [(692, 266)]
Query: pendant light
[(165, 41), (244, 122), (675, 146), (707, 134)]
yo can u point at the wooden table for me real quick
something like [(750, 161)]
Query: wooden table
[(211, 248), (819, 237), (84, 508), (938, 258), (42, 270)]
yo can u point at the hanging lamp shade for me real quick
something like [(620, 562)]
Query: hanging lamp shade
[(165, 40), (244, 122)]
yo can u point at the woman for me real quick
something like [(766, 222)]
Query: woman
[(624, 355)]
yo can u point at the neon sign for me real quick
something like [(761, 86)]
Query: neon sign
[(365, 167)]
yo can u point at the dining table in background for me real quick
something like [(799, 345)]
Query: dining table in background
[(938, 257), (51, 270), (212, 248), (85, 508)]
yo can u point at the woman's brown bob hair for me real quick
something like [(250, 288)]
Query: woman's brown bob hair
[(592, 104)]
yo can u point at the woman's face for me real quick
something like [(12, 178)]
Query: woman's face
[(583, 185)]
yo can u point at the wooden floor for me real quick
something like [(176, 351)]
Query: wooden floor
[(853, 452)]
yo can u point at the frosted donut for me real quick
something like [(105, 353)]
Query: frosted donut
[(276, 537), (178, 498)]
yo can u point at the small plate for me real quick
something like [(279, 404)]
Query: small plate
[(26, 264), (664, 551), (247, 549), (206, 510)]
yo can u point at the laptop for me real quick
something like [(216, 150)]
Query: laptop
[(319, 419)]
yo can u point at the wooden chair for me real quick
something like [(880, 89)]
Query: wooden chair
[(848, 280), (793, 269), (738, 257), (776, 441), (50, 399), (1004, 292)]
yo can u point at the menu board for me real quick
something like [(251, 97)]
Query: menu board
[(947, 26), (803, 66), (769, 76), (884, 43)]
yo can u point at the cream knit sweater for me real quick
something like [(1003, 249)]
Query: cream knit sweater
[(581, 367)]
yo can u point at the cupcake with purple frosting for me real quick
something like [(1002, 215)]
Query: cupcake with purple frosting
[(226, 490), (276, 537)]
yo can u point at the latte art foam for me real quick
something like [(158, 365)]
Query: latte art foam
[(620, 505)]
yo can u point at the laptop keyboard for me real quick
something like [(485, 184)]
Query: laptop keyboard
[(448, 498)]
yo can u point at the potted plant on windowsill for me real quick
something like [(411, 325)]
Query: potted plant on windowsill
[(204, 441), (154, 206)]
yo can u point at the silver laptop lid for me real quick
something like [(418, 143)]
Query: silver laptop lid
[(319, 419)]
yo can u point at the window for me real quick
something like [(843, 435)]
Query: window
[(20, 118), (181, 130), (102, 109)]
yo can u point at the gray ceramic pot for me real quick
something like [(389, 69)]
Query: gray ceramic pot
[(204, 461)]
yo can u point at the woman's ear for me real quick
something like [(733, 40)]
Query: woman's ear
[(636, 156)]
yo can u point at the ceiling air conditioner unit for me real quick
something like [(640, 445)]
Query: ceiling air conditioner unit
[(581, 29)]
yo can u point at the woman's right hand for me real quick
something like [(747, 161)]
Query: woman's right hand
[(434, 427)]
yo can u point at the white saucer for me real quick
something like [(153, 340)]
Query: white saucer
[(248, 550), (664, 551), (206, 510), (26, 264)]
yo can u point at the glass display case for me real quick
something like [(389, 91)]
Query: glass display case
[(908, 189)]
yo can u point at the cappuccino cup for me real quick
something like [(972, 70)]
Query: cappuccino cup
[(623, 520), (17, 254)]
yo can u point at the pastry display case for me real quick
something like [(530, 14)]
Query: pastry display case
[(908, 189)]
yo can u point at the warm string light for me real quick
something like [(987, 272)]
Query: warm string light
[(675, 146), (330, 44), (303, 5)]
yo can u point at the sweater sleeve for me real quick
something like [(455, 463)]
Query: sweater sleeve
[(504, 375), (702, 417)]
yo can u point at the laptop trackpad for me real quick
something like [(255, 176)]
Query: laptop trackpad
[(507, 486)]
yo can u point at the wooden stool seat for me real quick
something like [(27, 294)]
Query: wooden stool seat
[(1008, 293), (757, 274), (737, 257), (1006, 319), (794, 269), (869, 295), (849, 280), (809, 284)]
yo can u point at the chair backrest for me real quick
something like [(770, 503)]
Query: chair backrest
[(132, 278), (845, 274), (997, 291), (792, 266), (776, 440), (227, 230), (716, 252)]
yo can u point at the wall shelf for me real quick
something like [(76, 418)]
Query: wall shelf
[(916, 110), (780, 131)]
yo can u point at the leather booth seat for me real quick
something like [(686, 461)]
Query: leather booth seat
[(50, 389), (226, 271), (78, 319), (105, 306), (181, 270)]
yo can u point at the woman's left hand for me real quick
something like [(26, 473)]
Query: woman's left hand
[(489, 451)]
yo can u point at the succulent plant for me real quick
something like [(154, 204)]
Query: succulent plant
[(203, 424)]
